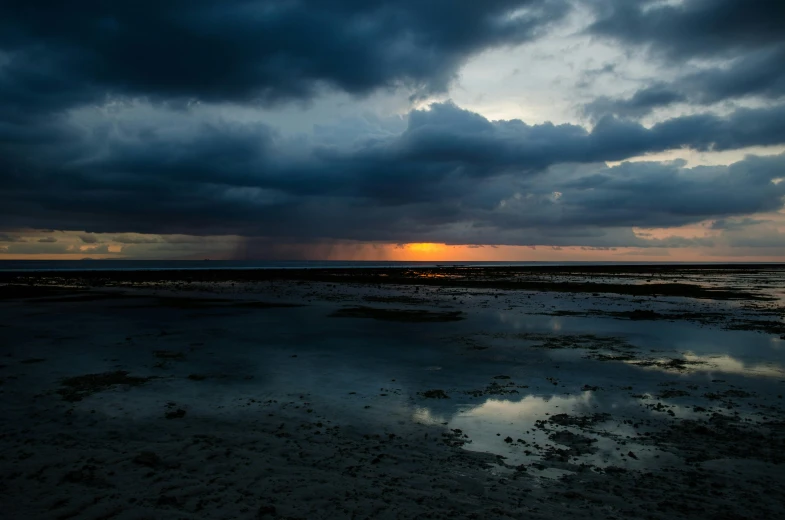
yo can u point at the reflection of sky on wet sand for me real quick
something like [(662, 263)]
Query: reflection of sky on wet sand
[(499, 412), (724, 351), (366, 371), (724, 364), (488, 424)]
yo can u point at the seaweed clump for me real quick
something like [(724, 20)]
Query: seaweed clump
[(435, 394), (78, 387), (169, 354), (397, 314)]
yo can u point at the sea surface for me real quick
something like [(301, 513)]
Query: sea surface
[(132, 265)]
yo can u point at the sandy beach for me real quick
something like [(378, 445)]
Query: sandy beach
[(591, 392)]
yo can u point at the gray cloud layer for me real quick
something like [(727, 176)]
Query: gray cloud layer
[(451, 175), (55, 53), (746, 37), (693, 28), (154, 161)]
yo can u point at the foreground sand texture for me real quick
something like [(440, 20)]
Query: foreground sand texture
[(601, 392)]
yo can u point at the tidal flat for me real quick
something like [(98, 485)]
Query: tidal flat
[(587, 392)]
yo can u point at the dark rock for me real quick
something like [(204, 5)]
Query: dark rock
[(148, 458), (265, 510), (176, 414), (166, 500)]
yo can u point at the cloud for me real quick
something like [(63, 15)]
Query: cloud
[(450, 176), (733, 224), (764, 238), (640, 104), (88, 238), (758, 74), (54, 56), (692, 28), (95, 249), (126, 239), (35, 248), (47, 240), (731, 49), (752, 235), (156, 123)]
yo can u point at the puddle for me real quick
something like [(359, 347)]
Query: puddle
[(524, 432)]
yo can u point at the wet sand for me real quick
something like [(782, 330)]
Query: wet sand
[(642, 392)]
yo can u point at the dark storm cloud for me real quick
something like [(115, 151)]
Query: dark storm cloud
[(450, 176), (668, 194), (57, 54), (105, 125), (37, 249), (446, 134), (736, 224), (136, 240), (748, 37), (88, 238), (55, 57), (640, 104), (693, 28), (759, 74), (766, 237)]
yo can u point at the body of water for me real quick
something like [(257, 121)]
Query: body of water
[(131, 265)]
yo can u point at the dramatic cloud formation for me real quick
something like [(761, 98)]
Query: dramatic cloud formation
[(449, 167), (155, 126), (693, 28), (249, 51), (742, 41)]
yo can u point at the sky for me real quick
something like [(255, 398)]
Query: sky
[(499, 130)]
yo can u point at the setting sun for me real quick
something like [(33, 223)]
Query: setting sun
[(425, 247)]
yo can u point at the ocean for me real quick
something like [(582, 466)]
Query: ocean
[(147, 265)]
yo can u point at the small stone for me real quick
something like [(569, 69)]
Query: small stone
[(177, 414), (147, 458), (265, 510)]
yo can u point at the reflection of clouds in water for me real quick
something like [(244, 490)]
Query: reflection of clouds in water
[(426, 416), (530, 408), (507, 418), (513, 320), (488, 424), (518, 321), (722, 363), (727, 364), (496, 413)]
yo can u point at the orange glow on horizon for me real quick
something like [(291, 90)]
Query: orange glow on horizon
[(60, 256), (425, 248), (71, 245)]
